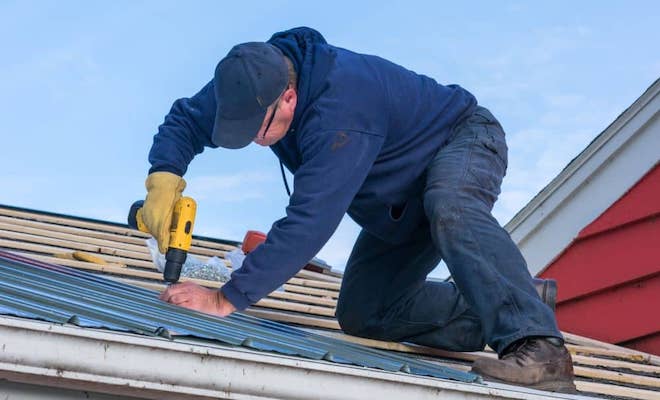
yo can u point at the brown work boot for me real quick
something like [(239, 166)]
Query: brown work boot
[(541, 363), (547, 290)]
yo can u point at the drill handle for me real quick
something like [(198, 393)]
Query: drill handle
[(135, 217)]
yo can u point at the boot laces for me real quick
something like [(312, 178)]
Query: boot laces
[(522, 350)]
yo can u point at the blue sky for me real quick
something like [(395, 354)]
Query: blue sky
[(84, 86)]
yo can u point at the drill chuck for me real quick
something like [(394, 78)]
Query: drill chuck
[(174, 260)]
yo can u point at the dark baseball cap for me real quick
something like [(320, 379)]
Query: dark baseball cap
[(248, 80)]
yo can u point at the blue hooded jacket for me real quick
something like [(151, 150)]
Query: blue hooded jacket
[(364, 131)]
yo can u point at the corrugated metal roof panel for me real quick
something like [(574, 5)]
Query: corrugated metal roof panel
[(308, 299), (38, 290)]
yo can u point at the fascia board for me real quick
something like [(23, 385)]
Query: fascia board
[(153, 368), (596, 178)]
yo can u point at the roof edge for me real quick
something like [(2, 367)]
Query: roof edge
[(125, 364), (570, 169)]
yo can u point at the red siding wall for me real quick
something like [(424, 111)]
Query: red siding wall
[(609, 277)]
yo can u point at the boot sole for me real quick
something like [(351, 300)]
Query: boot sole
[(567, 387)]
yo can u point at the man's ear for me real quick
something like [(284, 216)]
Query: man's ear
[(289, 100)]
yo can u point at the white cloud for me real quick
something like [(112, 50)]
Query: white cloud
[(514, 77), (339, 247), (224, 231), (536, 156), (230, 188), (60, 68), (22, 187), (440, 272), (565, 100), (114, 213), (653, 69), (549, 44), (510, 202)]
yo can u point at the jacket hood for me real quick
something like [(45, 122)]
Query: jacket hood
[(299, 46)]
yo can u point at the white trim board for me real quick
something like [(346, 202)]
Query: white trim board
[(22, 391), (154, 368), (602, 173)]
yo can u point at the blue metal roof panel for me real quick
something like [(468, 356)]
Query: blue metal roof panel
[(37, 290)]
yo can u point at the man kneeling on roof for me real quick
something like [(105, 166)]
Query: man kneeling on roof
[(418, 165)]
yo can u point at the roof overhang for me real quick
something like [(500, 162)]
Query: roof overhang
[(154, 368), (590, 183)]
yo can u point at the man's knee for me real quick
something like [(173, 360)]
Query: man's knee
[(355, 320), (445, 210)]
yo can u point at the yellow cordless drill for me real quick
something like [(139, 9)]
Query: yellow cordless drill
[(181, 229)]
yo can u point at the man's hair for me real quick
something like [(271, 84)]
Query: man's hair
[(293, 76)]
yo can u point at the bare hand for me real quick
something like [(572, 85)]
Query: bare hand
[(195, 297)]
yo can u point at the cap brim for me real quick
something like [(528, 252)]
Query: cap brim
[(236, 134)]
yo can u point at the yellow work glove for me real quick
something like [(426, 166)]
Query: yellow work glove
[(163, 191)]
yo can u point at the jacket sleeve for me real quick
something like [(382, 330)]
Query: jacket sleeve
[(334, 166), (187, 129)]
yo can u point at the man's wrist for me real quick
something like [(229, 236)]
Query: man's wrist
[(234, 296), (224, 306)]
